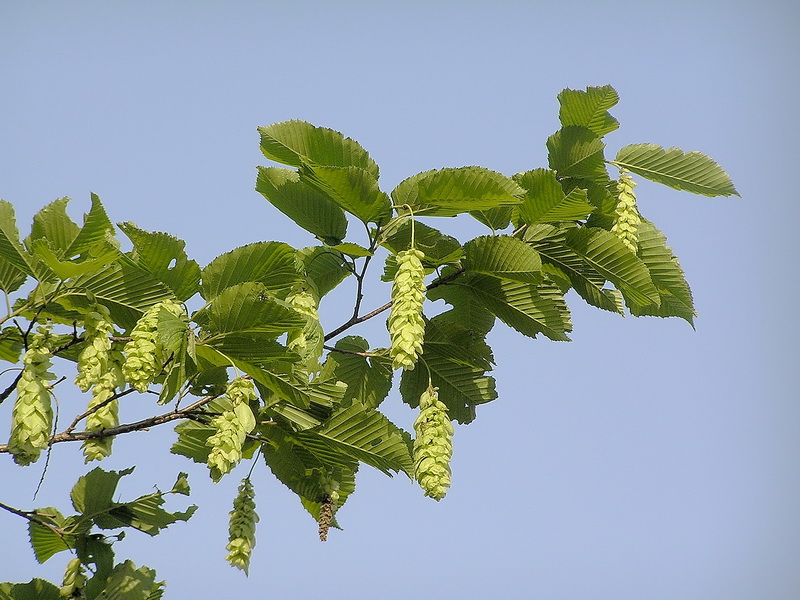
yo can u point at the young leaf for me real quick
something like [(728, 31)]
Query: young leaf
[(269, 263), (589, 108), (576, 151), (164, 256), (691, 171), (448, 192), (504, 257), (545, 200), (296, 143), (310, 209)]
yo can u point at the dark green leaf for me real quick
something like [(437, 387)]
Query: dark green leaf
[(35, 589), (269, 263), (97, 228), (466, 310), (368, 379), (324, 268)]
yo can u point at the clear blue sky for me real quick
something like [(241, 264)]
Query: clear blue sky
[(644, 460)]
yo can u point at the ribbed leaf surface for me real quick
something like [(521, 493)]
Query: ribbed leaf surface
[(438, 248), (496, 219), (248, 307), (11, 249), (607, 255), (691, 171), (448, 192), (270, 263), (530, 309), (96, 226), (577, 152), (545, 200), (551, 244), (466, 311), (589, 108), (310, 209), (370, 437), (45, 541), (53, 224), (35, 589), (354, 189), (164, 256), (324, 268), (296, 143), (676, 297), (504, 257), (368, 379)]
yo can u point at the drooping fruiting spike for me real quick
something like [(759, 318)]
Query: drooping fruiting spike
[(232, 427), (406, 324), (242, 527), (433, 446), (626, 224)]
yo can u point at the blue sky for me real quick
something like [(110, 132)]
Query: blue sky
[(643, 460)]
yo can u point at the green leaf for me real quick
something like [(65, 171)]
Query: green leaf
[(68, 269), (248, 308), (496, 219), (456, 361), (53, 224), (561, 263), (93, 493), (295, 143), (192, 434), (504, 257), (50, 540), (545, 200), (324, 268), (466, 310), (439, 249), (528, 308), (126, 582), (164, 256), (11, 250), (370, 437), (589, 108), (35, 589), (269, 263), (607, 255), (577, 152), (691, 171), (368, 379), (95, 550), (354, 189), (10, 344), (448, 192), (309, 208), (667, 275), (97, 228), (352, 250)]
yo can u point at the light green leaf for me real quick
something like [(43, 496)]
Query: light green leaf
[(48, 541), (577, 152), (455, 360), (309, 208), (667, 275), (164, 256), (126, 582), (295, 143), (448, 192), (607, 255), (466, 310), (324, 268), (10, 344), (269, 263), (354, 189), (496, 219), (35, 589), (691, 171), (68, 269), (528, 308), (504, 257), (53, 224), (589, 108), (352, 250), (368, 379), (97, 228), (439, 249), (11, 250), (368, 436), (545, 200), (93, 493)]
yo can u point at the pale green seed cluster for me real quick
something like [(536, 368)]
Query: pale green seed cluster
[(107, 415), (232, 427), (406, 325), (627, 222), (32, 416), (74, 580), (308, 340), (242, 527), (94, 355), (433, 445), (143, 355)]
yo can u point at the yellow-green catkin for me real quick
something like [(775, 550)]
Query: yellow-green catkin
[(74, 580), (32, 416), (242, 527), (327, 506), (143, 358), (232, 427), (406, 325), (433, 446), (107, 415), (626, 224), (92, 359)]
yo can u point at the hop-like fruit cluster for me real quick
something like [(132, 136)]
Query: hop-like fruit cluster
[(143, 355), (242, 527), (308, 340), (106, 415), (232, 428), (433, 445), (406, 325), (627, 222), (328, 506), (74, 580), (32, 416), (94, 355)]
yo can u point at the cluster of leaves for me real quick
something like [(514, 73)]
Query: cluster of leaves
[(314, 417)]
